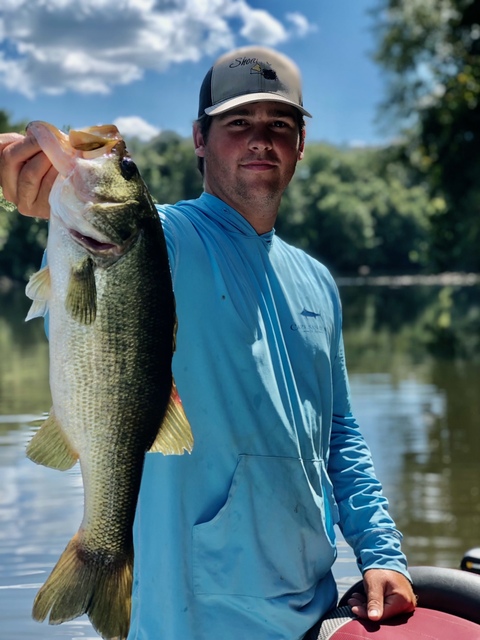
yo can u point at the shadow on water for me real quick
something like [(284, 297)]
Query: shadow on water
[(414, 361)]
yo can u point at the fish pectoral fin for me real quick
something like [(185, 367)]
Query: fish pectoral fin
[(175, 434), (81, 300), (38, 289), (50, 447)]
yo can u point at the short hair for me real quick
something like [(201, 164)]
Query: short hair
[(204, 123)]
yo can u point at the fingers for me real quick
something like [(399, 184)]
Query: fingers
[(389, 593), (12, 146), (6, 140), (375, 599), (35, 183), (359, 606), (26, 174)]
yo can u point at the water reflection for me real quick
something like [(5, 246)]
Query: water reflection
[(24, 359), (39, 512), (414, 360)]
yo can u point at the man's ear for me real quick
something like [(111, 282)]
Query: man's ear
[(301, 147), (198, 141)]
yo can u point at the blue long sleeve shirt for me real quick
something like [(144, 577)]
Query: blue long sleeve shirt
[(237, 539)]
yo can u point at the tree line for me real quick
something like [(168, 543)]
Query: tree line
[(354, 209), (412, 206)]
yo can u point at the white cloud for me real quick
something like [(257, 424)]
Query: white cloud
[(301, 25), (89, 46), (136, 127), (260, 26)]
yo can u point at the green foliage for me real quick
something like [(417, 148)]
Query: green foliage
[(168, 166), (357, 209), (8, 213), (354, 209), (423, 320), (22, 252), (431, 50)]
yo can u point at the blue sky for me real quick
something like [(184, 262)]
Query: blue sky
[(140, 63)]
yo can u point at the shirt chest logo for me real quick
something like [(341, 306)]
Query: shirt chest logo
[(310, 322)]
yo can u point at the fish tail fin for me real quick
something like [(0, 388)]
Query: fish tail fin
[(175, 435), (91, 582)]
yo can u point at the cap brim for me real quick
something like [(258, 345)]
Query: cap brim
[(231, 103)]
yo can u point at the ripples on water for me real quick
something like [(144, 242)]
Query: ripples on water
[(40, 509), (419, 414)]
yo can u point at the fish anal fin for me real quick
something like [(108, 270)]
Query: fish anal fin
[(38, 309), (175, 434), (50, 447), (81, 300), (38, 289)]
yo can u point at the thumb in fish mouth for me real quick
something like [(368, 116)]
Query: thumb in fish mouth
[(92, 138), (55, 145), (62, 149)]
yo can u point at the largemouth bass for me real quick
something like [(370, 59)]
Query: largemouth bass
[(108, 292)]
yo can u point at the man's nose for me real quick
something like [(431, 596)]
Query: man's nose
[(260, 138)]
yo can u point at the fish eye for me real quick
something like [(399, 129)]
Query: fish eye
[(128, 168)]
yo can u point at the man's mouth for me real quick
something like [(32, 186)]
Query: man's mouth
[(258, 165)]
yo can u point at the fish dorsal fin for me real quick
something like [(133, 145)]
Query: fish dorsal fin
[(175, 435), (50, 447), (38, 289), (81, 300)]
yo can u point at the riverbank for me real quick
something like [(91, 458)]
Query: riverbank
[(434, 279)]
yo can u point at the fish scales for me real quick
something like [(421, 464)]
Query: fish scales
[(112, 324)]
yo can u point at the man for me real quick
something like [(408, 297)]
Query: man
[(237, 540)]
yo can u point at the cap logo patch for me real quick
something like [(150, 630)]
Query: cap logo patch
[(268, 74)]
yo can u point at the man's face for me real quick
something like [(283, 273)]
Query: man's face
[(251, 153)]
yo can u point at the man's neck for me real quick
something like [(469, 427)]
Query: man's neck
[(261, 215)]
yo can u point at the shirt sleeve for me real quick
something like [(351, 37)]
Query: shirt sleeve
[(364, 519)]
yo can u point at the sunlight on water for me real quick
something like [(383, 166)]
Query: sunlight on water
[(40, 509)]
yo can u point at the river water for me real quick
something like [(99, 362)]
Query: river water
[(413, 354)]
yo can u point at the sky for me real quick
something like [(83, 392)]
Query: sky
[(139, 63)]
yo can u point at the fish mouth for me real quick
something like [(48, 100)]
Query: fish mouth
[(96, 246), (99, 237), (63, 149)]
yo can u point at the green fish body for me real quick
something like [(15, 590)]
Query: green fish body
[(108, 291)]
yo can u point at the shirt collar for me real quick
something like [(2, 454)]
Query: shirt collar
[(231, 220)]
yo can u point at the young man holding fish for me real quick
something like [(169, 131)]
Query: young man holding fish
[(237, 539)]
